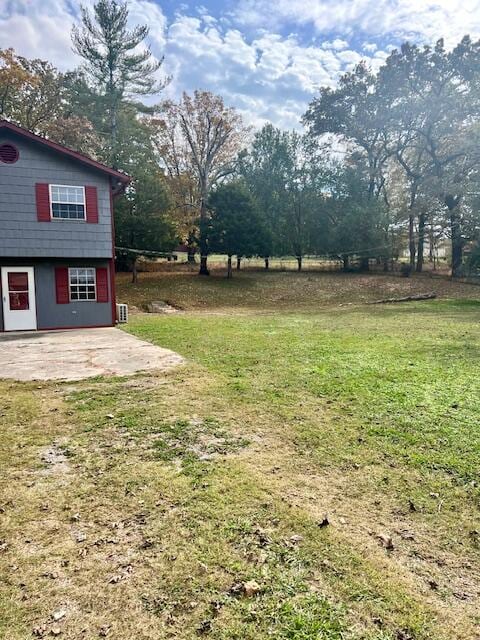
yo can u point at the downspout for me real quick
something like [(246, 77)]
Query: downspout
[(112, 261)]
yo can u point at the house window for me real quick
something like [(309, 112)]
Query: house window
[(67, 202), (82, 284)]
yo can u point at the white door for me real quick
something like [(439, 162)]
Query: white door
[(18, 295)]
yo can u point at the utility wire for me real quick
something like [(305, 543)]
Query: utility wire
[(144, 252)]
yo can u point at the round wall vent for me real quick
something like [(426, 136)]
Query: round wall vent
[(8, 153)]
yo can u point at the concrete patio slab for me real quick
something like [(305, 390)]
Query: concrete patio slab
[(78, 354)]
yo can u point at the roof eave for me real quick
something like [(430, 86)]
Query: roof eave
[(79, 157)]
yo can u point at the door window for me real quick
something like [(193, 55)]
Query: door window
[(18, 291)]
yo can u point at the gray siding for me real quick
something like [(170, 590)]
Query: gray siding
[(21, 235), (51, 315)]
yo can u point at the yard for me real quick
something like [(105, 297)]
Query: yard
[(312, 472)]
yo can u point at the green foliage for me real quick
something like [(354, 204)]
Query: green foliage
[(265, 168), (142, 214), (287, 176), (356, 222), (473, 262), (113, 63), (107, 47), (36, 95), (235, 226), (415, 120)]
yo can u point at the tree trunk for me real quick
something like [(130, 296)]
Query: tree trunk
[(346, 262), (452, 203), (191, 255), (457, 245), (267, 263), (431, 243), (421, 242), (299, 263), (229, 267), (411, 239), (203, 232), (203, 271), (134, 271), (239, 261), (365, 264), (113, 117)]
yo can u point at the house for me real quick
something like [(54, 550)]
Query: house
[(56, 235)]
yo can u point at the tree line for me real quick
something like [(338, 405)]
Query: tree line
[(386, 157)]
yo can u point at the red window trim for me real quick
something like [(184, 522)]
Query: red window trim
[(101, 284), (91, 204), (42, 201), (62, 285)]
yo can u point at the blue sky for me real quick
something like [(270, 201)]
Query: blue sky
[(266, 57)]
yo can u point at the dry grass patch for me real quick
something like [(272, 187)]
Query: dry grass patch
[(286, 291), (194, 503)]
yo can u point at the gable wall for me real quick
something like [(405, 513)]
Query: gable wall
[(21, 235)]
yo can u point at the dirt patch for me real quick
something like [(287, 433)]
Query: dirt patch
[(185, 440), (55, 459)]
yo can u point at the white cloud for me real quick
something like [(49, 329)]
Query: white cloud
[(38, 29), (268, 78), (415, 19), (336, 44), (267, 75)]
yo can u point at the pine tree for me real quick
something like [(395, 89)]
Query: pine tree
[(111, 63)]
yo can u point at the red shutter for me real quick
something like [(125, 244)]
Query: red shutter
[(102, 284), (91, 204), (62, 285), (42, 196)]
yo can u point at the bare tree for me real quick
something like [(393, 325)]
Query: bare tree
[(201, 136)]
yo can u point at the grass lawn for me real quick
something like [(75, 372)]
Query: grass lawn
[(312, 472)]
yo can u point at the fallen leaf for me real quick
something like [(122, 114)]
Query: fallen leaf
[(386, 541), (236, 589), (296, 538), (146, 544), (324, 522), (53, 575), (58, 615), (251, 588), (204, 627)]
